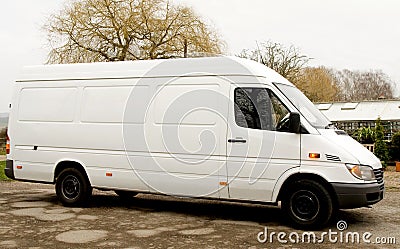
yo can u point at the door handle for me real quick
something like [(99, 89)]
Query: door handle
[(236, 140)]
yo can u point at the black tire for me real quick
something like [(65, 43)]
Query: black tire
[(73, 188), (125, 195), (308, 204)]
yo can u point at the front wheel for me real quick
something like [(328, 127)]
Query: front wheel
[(308, 204), (72, 187)]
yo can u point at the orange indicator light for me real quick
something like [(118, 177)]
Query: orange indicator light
[(7, 145), (314, 155)]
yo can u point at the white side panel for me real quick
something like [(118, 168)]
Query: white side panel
[(176, 96), (104, 104), (112, 178), (244, 181), (60, 125), (33, 171), (187, 117), (184, 175), (47, 104)]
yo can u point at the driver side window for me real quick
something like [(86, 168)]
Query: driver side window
[(259, 108)]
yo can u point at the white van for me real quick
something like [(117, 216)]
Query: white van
[(221, 128)]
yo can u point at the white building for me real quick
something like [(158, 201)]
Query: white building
[(350, 116)]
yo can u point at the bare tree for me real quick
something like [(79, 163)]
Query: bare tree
[(364, 85), (287, 61), (117, 30), (319, 84)]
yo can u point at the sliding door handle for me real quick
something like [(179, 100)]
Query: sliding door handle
[(236, 140)]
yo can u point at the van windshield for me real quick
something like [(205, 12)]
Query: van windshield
[(304, 106)]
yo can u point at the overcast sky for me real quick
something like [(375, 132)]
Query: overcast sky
[(352, 34)]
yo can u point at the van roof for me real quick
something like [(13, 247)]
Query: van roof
[(221, 66)]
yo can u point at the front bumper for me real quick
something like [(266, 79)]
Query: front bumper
[(9, 169), (351, 195)]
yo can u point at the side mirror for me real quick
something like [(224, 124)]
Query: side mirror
[(294, 122)]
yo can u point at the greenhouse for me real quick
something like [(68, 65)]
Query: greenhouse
[(350, 116)]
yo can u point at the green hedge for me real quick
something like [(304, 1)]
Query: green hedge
[(3, 177)]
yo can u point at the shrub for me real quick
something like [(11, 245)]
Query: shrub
[(3, 136), (395, 146), (381, 150)]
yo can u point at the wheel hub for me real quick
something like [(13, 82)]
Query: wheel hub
[(71, 187), (305, 205)]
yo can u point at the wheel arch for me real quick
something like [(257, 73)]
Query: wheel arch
[(307, 176), (67, 163)]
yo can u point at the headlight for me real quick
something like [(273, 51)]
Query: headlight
[(361, 172)]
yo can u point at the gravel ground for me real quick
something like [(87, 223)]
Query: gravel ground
[(31, 217)]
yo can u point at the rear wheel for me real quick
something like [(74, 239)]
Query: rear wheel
[(73, 187), (308, 204)]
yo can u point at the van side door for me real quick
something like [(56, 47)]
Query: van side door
[(183, 152), (260, 147)]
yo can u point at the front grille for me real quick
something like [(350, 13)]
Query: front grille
[(379, 175), (332, 158)]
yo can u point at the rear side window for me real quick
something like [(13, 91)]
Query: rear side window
[(259, 108)]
